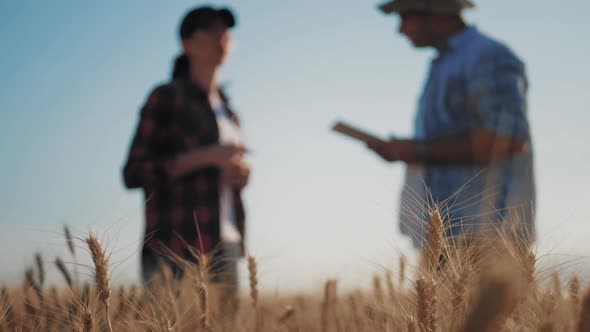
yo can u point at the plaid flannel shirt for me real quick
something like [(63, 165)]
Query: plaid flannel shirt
[(474, 82), (176, 118)]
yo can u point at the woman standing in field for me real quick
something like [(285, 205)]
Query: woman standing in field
[(188, 157)]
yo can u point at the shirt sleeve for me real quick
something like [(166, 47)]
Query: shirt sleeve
[(147, 159), (497, 94)]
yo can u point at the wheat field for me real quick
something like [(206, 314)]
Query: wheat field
[(486, 285)]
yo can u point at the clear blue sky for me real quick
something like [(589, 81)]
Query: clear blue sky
[(74, 75)]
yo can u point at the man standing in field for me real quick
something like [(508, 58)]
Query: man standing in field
[(471, 155)]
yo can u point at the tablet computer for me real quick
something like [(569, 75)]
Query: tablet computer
[(356, 133)]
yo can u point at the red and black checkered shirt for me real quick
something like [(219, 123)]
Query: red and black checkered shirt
[(177, 118)]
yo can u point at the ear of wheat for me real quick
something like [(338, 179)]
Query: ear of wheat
[(69, 240), (253, 271), (40, 269), (61, 266), (431, 253), (101, 275)]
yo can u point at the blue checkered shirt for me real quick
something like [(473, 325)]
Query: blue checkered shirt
[(473, 82)]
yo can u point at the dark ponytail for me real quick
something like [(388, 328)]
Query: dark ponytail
[(181, 67)]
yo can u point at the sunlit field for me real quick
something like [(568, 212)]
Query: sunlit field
[(456, 285)]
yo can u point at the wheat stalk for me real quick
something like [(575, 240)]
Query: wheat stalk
[(431, 254), (31, 282), (402, 269), (40, 269), (253, 280), (459, 287), (328, 302), (203, 296), (51, 314), (87, 320), (125, 301), (31, 311), (71, 248), (426, 305), (574, 292), (64, 272), (378, 289), (528, 261), (101, 276), (412, 324), (9, 316), (556, 284), (69, 240), (202, 290), (390, 286), (253, 273), (584, 318), (85, 296)]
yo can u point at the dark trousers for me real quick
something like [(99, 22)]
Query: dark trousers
[(223, 272)]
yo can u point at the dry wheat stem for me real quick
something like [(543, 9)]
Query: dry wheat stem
[(252, 269), (328, 303), (40, 269), (390, 286), (575, 290), (584, 318), (459, 288), (9, 316), (64, 272), (412, 324), (203, 295), (426, 304), (556, 283), (69, 240), (101, 275), (378, 289), (402, 270), (30, 281), (87, 320), (434, 248)]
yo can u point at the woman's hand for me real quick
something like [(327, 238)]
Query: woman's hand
[(224, 155), (221, 156), (237, 173)]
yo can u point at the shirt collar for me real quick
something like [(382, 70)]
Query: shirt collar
[(461, 38), (192, 89)]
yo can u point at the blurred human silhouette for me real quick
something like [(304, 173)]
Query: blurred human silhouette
[(187, 155), (471, 153)]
